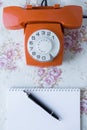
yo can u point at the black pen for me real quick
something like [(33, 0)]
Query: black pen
[(41, 104)]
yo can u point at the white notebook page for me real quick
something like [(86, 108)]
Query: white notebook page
[(24, 114)]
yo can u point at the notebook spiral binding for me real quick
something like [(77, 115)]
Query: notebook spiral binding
[(44, 89)]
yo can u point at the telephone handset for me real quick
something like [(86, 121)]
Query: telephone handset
[(43, 28)]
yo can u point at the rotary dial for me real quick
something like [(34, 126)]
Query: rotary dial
[(43, 45)]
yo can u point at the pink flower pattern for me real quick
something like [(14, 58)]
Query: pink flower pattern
[(0, 2), (73, 39), (9, 55), (49, 77), (84, 102)]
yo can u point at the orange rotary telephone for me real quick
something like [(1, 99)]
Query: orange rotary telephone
[(43, 28)]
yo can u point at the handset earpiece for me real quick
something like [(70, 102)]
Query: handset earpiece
[(13, 17)]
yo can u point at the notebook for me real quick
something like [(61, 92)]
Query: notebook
[(25, 114)]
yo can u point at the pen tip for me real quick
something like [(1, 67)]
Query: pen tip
[(56, 117)]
